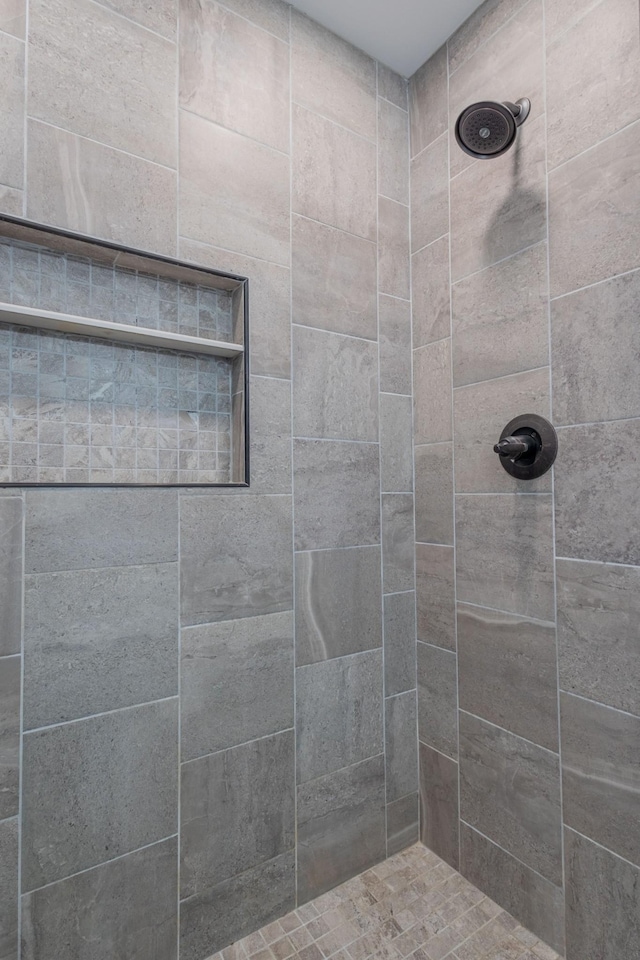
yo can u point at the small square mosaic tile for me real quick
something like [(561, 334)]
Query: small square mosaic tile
[(411, 906)]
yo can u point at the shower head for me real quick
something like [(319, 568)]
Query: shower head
[(487, 129)]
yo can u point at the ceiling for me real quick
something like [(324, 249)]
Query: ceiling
[(400, 33)]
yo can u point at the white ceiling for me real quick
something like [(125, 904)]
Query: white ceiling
[(400, 33)]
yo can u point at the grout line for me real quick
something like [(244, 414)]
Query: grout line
[(358, 546), (490, 37), (505, 376), (330, 226), (23, 519), (333, 333), (258, 26), (414, 253), (635, 866), (366, 443), (596, 283), (25, 137), (388, 393), (97, 716), (383, 196), (245, 136), (336, 123), (267, 376), (598, 703), (509, 854), (503, 493), (594, 146), (597, 423), (236, 746), (603, 563), (506, 613), (440, 136), (118, 13), (392, 296), (235, 253), (348, 766), (554, 753), (494, 263), (431, 343)]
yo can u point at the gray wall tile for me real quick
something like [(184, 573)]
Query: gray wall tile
[(437, 699), (534, 901), (430, 194), (430, 293), (399, 643), (481, 25), (398, 562), (12, 56), (403, 824), (439, 823), (395, 345), (236, 682), (271, 15), (127, 905), (341, 827), (161, 17), (401, 745), (235, 557), (13, 15), (600, 774), (394, 275), (338, 603), (393, 152), (432, 393), (598, 642), (237, 810), (435, 577), (11, 201), (510, 792), (507, 672), (11, 535), (392, 86), (428, 97), (270, 435), (338, 713), (322, 520), (603, 902), (396, 439), (9, 893), (98, 788), (335, 386), (434, 493)]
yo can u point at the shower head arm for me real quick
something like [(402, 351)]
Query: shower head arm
[(520, 109)]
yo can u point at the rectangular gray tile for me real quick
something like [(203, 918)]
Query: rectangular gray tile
[(9, 893), (341, 827), (403, 824), (510, 792), (535, 902), (11, 536), (270, 435), (235, 557), (396, 443), (12, 68), (482, 24), (600, 774), (395, 345), (127, 905), (598, 642), (98, 788), (394, 271), (438, 699), (236, 682), (439, 823), (430, 194), (334, 279), (323, 520), (401, 745), (338, 713), (398, 561), (505, 553), (434, 493), (430, 292), (161, 17), (392, 86), (13, 16), (99, 528), (271, 15), (435, 579), (338, 603), (393, 152), (237, 810), (508, 672), (432, 393), (399, 643), (428, 100), (335, 386)]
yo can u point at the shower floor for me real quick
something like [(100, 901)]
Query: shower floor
[(412, 905)]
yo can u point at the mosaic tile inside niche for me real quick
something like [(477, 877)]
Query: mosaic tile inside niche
[(35, 276)]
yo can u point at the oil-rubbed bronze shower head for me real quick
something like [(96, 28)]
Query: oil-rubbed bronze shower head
[(487, 129)]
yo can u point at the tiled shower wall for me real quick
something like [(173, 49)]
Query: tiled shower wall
[(223, 680), (526, 289)]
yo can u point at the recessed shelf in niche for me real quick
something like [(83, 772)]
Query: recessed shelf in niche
[(118, 367)]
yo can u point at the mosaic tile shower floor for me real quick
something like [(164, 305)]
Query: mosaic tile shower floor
[(411, 906)]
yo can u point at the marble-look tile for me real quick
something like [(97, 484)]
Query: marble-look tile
[(234, 192), (431, 293), (396, 440), (338, 603), (323, 520), (93, 189), (11, 535), (12, 102), (392, 86), (233, 908), (335, 386), (9, 893), (598, 641), (434, 493), (97, 640), (78, 85), (596, 472), (237, 810), (403, 823), (13, 17), (234, 73), (428, 98), (535, 902), (603, 902), (236, 682), (338, 713), (600, 774), (11, 201), (235, 557), (505, 553), (334, 279), (395, 345), (595, 343), (393, 152), (499, 208), (334, 175), (564, 14), (10, 679), (432, 392), (430, 194), (397, 542), (399, 643), (271, 15), (480, 412), (99, 528), (439, 823), (270, 435), (438, 699), (341, 827), (480, 26), (605, 42), (510, 792), (515, 316), (401, 745), (98, 788), (332, 77), (594, 213), (435, 579), (127, 905), (161, 16), (507, 672), (394, 268)]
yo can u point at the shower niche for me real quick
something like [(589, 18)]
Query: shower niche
[(118, 367)]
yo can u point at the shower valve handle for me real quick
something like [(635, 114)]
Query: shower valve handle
[(515, 447)]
